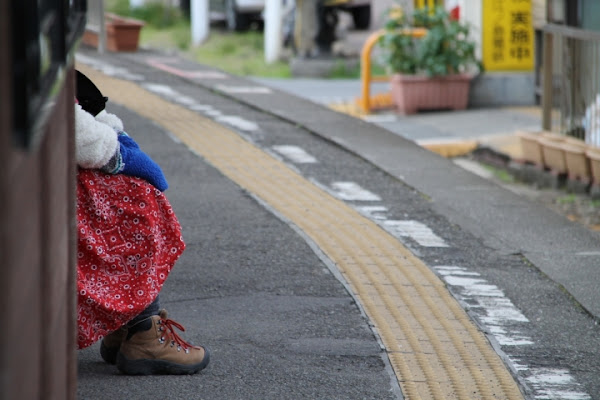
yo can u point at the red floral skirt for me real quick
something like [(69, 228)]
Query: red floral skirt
[(128, 241)]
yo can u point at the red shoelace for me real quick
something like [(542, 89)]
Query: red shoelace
[(169, 325)]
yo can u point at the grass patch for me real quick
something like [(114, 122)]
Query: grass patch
[(501, 174), (568, 199), (341, 70), (175, 37), (504, 176), (239, 54)]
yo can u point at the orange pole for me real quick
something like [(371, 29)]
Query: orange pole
[(365, 69), (365, 64)]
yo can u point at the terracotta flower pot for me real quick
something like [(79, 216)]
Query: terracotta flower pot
[(90, 38), (412, 93), (122, 34)]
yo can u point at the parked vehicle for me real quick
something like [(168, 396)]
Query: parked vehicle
[(237, 14), (359, 9), (240, 14)]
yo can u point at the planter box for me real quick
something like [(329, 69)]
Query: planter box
[(565, 155), (554, 155), (531, 148), (412, 93), (593, 155), (578, 163), (122, 34)]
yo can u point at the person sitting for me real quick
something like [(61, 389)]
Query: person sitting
[(128, 241)]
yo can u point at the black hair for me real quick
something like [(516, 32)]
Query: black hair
[(88, 95)]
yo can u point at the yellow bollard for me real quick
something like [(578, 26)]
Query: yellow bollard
[(365, 66)]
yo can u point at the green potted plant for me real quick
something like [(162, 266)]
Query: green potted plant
[(431, 59)]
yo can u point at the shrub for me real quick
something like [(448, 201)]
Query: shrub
[(445, 48)]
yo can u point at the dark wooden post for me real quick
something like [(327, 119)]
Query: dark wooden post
[(547, 86), (37, 243)]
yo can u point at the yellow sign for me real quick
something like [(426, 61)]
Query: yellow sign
[(425, 3), (508, 41)]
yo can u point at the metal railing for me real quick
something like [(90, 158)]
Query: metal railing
[(571, 82), (95, 22)]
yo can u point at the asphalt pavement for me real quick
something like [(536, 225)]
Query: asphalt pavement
[(281, 321)]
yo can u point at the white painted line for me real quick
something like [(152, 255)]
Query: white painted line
[(500, 309), (244, 89), (588, 253), (353, 192), (551, 383), (186, 101), (213, 113), (205, 75), (109, 69), (506, 338), (232, 120), (201, 107), (160, 89), (473, 167), (295, 154), (376, 213), (382, 118), (500, 318), (162, 65), (475, 287), (416, 230), (238, 122), (168, 92), (498, 313)]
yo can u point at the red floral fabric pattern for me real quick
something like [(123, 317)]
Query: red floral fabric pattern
[(128, 241)]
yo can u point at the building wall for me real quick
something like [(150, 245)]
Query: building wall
[(590, 15), (538, 9)]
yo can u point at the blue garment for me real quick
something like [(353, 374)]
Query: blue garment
[(138, 164)]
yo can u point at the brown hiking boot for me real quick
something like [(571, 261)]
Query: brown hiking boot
[(159, 350), (111, 344)]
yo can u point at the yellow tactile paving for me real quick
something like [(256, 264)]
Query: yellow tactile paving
[(434, 348), (347, 108), (450, 149), (378, 102)]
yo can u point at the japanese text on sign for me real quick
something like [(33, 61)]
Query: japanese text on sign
[(508, 42)]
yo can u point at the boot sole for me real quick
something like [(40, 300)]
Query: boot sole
[(108, 354), (159, 367)]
